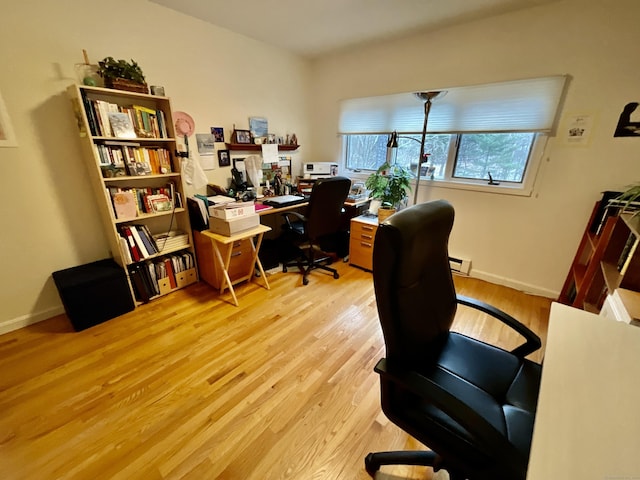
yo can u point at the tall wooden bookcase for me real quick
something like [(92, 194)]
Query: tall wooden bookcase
[(137, 156), (607, 258)]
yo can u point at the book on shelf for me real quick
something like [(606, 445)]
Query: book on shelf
[(168, 264), (171, 240), (624, 266), (147, 241), (124, 204), (140, 286), (133, 248), (144, 253), (121, 125), (124, 250)]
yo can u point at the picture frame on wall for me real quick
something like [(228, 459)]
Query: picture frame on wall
[(7, 135), (224, 160), (242, 136)]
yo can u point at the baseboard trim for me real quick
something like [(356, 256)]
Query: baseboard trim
[(12, 324), (509, 282)]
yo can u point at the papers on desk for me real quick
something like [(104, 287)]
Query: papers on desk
[(199, 208)]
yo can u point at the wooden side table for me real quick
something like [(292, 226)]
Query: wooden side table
[(223, 248)]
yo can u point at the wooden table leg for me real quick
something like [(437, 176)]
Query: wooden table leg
[(225, 269), (256, 261)]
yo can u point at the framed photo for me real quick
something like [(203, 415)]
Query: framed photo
[(242, 136), (223, 158), (7, 137), (259, 126), (218, 134)]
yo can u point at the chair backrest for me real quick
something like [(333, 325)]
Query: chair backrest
[(325, 206), (414, 287)]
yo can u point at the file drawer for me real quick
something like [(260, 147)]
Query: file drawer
[(361, 238)]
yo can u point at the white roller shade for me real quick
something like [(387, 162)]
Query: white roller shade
[(522, 105)]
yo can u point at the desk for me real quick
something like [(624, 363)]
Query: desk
[(223, 248), (587, 424)]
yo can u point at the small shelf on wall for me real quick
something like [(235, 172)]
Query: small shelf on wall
[(249, 147)]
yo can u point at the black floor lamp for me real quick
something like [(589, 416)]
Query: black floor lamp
[(427, 97)]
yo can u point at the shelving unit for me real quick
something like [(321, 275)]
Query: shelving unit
[(156, 170), (250, 147), (606, 259)]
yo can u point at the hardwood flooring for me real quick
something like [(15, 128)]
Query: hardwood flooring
[(190, 386)]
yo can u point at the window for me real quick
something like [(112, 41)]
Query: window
[(498, 130)]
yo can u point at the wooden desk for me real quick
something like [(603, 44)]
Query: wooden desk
[(587, 424), (272, 210), (223, 248)]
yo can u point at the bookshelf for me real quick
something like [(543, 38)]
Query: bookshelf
[(129, 147), (607, 258)]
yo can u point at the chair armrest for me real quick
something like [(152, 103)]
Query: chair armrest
[(488, 436), (532, 342), (299, 216)]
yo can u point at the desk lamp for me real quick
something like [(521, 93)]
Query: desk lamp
[(427, 97)]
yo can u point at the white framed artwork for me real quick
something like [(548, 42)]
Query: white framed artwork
[(7, 135)]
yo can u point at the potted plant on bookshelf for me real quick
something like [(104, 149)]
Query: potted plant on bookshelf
[(390, 184), (630, 199), (122, 75)]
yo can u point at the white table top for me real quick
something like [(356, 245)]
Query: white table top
[(588, 418)]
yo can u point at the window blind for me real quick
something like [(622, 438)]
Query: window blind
[(522, 105)]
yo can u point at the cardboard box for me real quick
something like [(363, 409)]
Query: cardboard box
[(234, 225), (232, 210)]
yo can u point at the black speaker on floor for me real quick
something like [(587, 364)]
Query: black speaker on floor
[(94, 293)]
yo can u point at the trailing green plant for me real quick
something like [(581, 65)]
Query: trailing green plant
[(110, 68), (390, 184)]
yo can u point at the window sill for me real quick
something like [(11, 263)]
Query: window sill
[(503, 189)]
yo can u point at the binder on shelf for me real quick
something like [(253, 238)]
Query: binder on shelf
[(133, 248), (151, 250), (140, 244)]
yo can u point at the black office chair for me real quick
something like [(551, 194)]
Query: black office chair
[(473, 404), (322, 220)]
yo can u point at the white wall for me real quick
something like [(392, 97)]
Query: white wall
[(49, 221), (526, 242)]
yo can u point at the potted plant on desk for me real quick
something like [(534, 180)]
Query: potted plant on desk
[(391, 185)]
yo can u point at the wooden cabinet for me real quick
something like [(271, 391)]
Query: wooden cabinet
[(209, 266), (129, 149), (607, 259), (362, 235)]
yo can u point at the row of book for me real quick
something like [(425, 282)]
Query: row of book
[(137, 243), (121, 159), (108, 119), (131, 202), (160, 276)]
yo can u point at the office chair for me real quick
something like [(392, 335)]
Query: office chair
[(322, 219), (473, 404)]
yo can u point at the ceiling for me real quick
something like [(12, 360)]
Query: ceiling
[(315, 27)]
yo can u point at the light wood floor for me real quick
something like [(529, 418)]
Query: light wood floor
[(190, 386)]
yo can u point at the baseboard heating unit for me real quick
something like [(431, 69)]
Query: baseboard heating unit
[(460, 265)]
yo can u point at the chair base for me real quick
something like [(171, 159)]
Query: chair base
[(373, 461), (307, 263)]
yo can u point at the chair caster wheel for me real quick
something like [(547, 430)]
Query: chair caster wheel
[(305, 281), (284, 269), (336, 275)]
